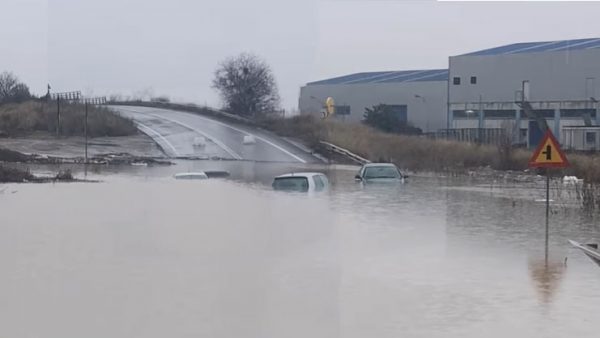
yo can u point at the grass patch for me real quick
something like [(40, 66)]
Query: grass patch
[(23, 118), (586, 166), (410, 152), (419, 153)]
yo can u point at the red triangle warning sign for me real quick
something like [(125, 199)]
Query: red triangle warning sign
[(548, 154)]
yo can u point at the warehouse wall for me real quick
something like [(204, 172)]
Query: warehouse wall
[(428, 111), (552, 76)]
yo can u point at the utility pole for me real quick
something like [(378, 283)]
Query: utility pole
[(85, 131), (57, 115), (480, 121)]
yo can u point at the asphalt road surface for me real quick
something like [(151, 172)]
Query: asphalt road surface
[(187, 135)]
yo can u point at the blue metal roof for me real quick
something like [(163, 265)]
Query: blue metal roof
[(388, 77), (534, 47)]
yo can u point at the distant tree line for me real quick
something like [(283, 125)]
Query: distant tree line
[(12, 90)]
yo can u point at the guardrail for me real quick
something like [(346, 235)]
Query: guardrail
[(345, 152)]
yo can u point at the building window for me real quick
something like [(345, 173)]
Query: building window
[(499, 113), (473, 79), (577, 113), (456, 81), (342, 110), (590, 137)]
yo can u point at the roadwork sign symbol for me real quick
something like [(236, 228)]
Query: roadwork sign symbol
[(548, 154)]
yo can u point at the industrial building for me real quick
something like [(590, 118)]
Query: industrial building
[(419, 96), (509, 87), (506, 88)]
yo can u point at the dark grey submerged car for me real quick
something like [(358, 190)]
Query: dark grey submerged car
[(380, 173)]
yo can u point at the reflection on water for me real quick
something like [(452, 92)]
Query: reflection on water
[(144, 255), (546, 276)]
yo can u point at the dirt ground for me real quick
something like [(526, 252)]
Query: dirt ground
[(47, 144)]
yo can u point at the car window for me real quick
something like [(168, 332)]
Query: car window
[(381, 172), (291, 184), (319, 184), (325, 180)]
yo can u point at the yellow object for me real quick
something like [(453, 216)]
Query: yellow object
[(548, 154), (329, 107)]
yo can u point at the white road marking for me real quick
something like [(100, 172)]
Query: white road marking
[(150, 131), (208, 136), (219, 143), (255, 136), (213, 139)]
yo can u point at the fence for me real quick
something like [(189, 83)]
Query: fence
[(67, 96), (95, 100), (76, 97), (471, 135)]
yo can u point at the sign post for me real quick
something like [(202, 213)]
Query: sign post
[(548, 155), (85, 131), (57, 116)]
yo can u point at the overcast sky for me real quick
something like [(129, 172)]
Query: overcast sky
[(172, 47)]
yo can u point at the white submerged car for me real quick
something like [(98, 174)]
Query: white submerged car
[(380, 173), (301, 182)]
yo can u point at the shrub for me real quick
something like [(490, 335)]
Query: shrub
[(160, 99), (12, 90), (384, 118), (14, 175)]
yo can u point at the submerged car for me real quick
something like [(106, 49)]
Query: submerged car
[(301, 182), (191, 176), (380, 172), (202, 175)]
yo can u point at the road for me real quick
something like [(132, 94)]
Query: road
[(177, 132)]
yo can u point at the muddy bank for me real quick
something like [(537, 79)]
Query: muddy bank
[(14, 175), (11, 156), (48, 144)]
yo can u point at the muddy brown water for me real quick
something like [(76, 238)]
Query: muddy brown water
[(144, 255)]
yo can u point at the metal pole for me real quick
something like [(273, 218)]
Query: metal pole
[(547, 211), (57, 115), (85, 131), (480, 122)]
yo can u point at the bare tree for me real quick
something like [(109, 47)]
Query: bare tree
[(247, 86), (11, 90)]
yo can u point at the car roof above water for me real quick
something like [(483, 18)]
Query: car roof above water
[(301, 174), (379, 165)]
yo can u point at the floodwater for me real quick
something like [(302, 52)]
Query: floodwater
[(144, 255)]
